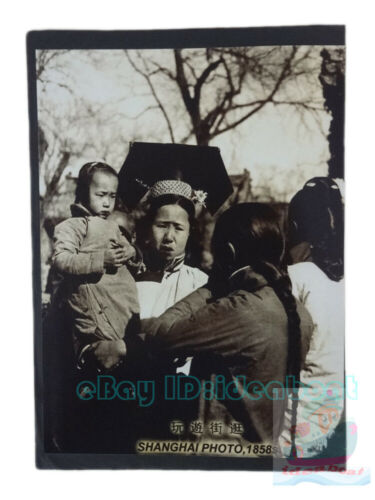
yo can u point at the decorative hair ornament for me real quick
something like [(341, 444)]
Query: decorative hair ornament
[(141, 183), (178, 188), (175, 187), (199, 197)]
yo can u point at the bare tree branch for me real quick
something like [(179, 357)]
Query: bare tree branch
[(203, 77), (301, 104), (225, 74), (154, 93), (51, 188), (261, 103)]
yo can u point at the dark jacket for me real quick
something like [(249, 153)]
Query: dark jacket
[(242, 337)]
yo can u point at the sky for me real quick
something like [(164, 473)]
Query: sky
[(280, 151)]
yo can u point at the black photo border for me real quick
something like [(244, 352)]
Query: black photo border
[(137, 39)]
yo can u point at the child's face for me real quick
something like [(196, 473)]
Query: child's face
[(102, 194)]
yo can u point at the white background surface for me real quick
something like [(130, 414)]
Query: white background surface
[(19, 478)]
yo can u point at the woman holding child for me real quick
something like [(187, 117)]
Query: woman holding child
[(244, 326), (94, 259)]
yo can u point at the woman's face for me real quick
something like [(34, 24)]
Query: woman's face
[(170, 231)]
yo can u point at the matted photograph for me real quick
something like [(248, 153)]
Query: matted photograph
[(188, 247)]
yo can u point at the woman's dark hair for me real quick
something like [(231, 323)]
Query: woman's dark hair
[(316, 216), (85, 176), (253, 232)]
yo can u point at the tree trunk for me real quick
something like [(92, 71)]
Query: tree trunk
[(333, 82), (202, 138)]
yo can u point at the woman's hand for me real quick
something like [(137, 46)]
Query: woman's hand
[(108, 354)]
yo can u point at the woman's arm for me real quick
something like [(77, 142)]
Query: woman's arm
[(182, 309), (67, 257), (221, 327)]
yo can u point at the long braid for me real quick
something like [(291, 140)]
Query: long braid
[(282, 286), (249, 234)]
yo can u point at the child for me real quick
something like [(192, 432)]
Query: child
[(90, 252)]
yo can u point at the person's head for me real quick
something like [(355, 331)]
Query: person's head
[(247, 234), (97, 188), (167, 225), (316, 217)]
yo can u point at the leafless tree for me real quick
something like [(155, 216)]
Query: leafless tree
[(223, 87), (80, 128), (47, 142)]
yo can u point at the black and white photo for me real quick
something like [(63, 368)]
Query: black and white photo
[(188, 217)]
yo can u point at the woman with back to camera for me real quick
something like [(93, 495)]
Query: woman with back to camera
[(247, 324), (316, 222)]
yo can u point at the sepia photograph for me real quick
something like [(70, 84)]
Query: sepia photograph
[(188, 222)]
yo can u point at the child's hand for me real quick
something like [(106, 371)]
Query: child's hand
[(108, 353), (115, 257)]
